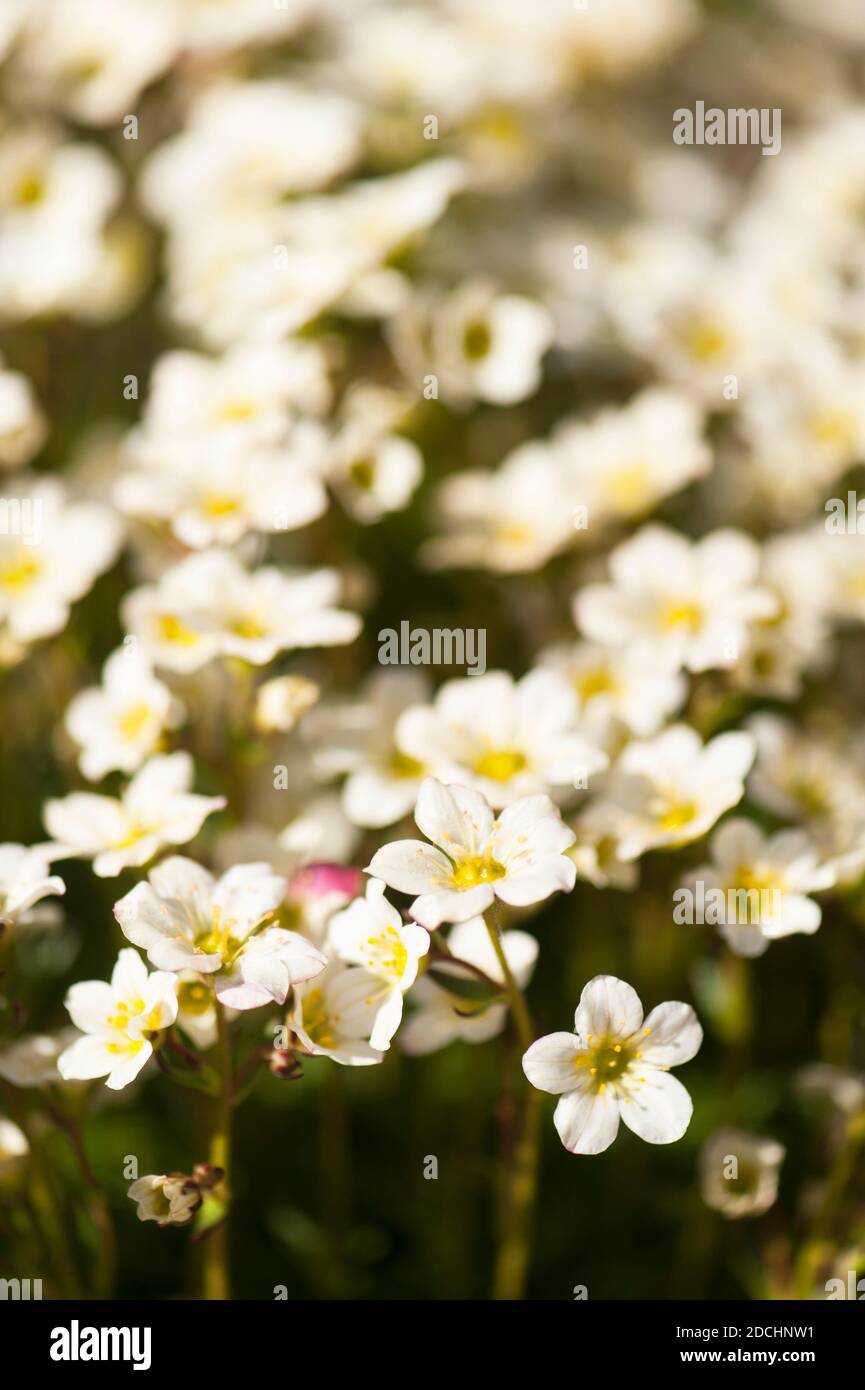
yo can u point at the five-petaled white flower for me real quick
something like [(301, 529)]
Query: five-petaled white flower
[(335, 1015), (370, 933), (120, 723), (685, 603), (669, 790), (476, 858), (116, 1020), (187, 920), (616, 1066), (155, 809)]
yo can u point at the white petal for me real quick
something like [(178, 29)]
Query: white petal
[(587, 1122), (659, 1109), (551, 1063), (608, 1007)]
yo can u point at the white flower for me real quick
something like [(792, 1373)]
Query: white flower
[(218, 493), (489, 346), (360, 738), (92, 57), (22, 424), (25, 879), (374, 476), (615, 1066), (781, 649), (684, 603), (170, 1201), (247, 146), (772, 876), (116, 1019), (187, 920), (52, 559), (155, 809), (616, 687), (120, 723), (502, 737), (511, 520), (335, 1014), (625, 460), (210, 605), (282, 701), (196, 1009), (32, 1060), (442, 1016), (739, 1172), (13, 1149), (54, 202), (671, 789), (476, 858), (370, 932), (213, 28)]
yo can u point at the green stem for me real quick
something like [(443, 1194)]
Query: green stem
[(217, 1280), (819, 1243), (512, 1258)]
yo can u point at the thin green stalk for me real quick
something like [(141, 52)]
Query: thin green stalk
[(819, 1243), (512, 1258), (217, 1277)]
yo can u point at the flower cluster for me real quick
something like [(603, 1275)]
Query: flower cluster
[(334, 317)]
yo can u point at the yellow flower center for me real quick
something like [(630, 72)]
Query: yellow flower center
[(317, 1023), (682, 615), (133, 721), (19, 572), (705, 341), (676, 817), (385, 954), (599, 681), (471, 872), (628, 489), (29, 190), (500, 763), (401, 765), (171, 629), (477, 340), (362, 473), (235, 411), (194, 997), (248, 626), (219, 504)]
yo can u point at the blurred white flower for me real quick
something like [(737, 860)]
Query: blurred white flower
[(51, 559), (623, 461), (54, 202), (502, 737), (615, 1066), (116, 1019), (91, 58), (618, 689), (360, 738), (120, 723), (32, 1060), (440, 1016), (511, 520), (772, 877), (209, 605), (680, 602), (25, 879), (282, 701), (13, 1149), (739, 1172), (155, 809), (187, 920), (669, 790), (475, 858), (22, 424)]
